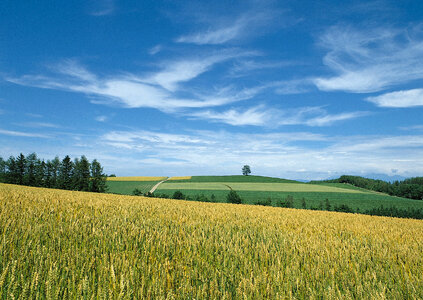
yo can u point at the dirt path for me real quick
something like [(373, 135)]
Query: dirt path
[(154, 188)]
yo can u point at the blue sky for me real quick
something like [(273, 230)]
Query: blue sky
[(295, 89)]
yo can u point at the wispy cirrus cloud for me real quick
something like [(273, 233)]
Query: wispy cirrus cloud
[(371, 60), (329, 119), (255, 116), (185, 70), (271, 117), (413, 127), (154, 50), (158, 90), (406, 98), (101, 7), (39, 125), (229, 26), (216, 36), (245, 67), (23, 134), (101, 118), (292, 155)]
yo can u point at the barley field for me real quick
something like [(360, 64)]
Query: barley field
[(65, 245)]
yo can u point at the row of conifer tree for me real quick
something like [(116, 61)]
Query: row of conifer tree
[(79, 174)]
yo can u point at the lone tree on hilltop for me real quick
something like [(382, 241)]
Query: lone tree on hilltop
[(246, 170)]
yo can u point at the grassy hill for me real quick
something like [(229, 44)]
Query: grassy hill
[(64, 244), (127, 187), (233, 178), (255, 188)]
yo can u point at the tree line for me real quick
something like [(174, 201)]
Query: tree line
[(411, 188), (78, 175)]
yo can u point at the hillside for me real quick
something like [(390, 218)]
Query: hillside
[(64, 244), (254, 189), (272, 191), (235, 178)]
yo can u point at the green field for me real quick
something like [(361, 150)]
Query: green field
[(313, 199), (233, 178), (127, 187), (255, 186), (258, 188), (343, 186)]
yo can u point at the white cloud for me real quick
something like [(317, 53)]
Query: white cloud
[(23, 134), (134, 91), (101, 118), (34, 115), (262, 116), (227, 27), (276, 154), (252, 116), (216, 35), (154, 50), (315, 116), (289, 87), (371, 60), (102, 7), (40, 125), (325, 120), (407, 98), (184, 70), (415, 127)]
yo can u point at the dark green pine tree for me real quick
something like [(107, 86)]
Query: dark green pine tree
[(40, 174), (48, 174), (55, 168), (11, 171), (98, 178), (75, 175), (20, 169), (81, 174), (65, 174), (34, 175), (2, 170)]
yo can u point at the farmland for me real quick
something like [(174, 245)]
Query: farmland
[(64, 244), (136, 178), (234, 178), (254, 188), (126, 185), (257, 186)]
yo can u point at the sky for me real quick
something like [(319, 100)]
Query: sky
[(295, 89)]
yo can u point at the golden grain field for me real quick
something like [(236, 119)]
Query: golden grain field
[(65, 245), (136, 178), (180, 178)]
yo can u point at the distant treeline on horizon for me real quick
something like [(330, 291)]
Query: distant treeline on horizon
[(78, 175), (411, 188)]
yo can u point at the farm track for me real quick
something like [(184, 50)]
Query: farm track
[(154, 188)]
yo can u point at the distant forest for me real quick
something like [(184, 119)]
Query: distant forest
[(77, 175), (411, 188)]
